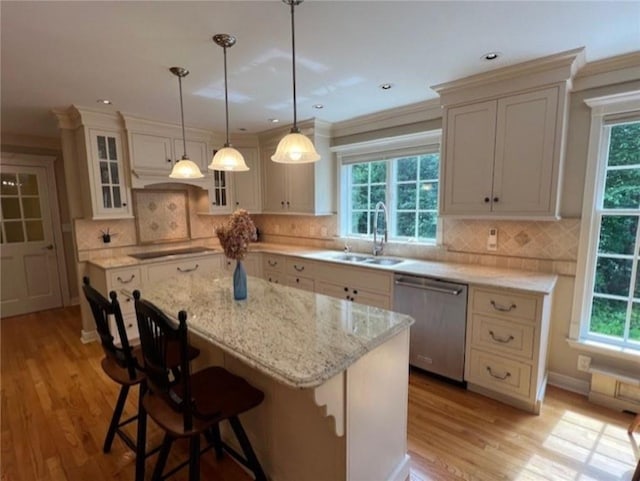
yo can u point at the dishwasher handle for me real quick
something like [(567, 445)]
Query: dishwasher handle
[(400, 281)]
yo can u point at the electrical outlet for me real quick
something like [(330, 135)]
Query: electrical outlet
[(584, 363), (492, 240)]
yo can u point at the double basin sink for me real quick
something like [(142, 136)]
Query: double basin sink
[(364, 259)]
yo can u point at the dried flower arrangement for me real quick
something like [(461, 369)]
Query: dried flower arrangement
[(236, 235)]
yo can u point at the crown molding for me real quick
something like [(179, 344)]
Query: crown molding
[(407, 114), (75, 116), (556, 68), (608, 71)]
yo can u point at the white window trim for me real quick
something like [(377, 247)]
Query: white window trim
[(600, 107), (378, 148)]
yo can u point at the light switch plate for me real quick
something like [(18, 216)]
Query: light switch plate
[(492, 240)]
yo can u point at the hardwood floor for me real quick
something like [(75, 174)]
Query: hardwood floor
[(56, 403)]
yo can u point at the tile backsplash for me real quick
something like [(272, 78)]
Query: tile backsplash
[(530, 245)]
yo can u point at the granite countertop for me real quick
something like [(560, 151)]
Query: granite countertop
[(531, 281), (299, 338)]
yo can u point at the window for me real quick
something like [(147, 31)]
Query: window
[(405, 178), (610, 310)]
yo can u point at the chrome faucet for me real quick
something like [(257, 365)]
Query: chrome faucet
[(378, 247)]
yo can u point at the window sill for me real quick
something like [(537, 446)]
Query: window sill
[(616, 352)]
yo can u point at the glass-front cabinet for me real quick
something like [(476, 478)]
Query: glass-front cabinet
[(109, 192)]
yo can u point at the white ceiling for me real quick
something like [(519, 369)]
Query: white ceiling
[(55, 54)]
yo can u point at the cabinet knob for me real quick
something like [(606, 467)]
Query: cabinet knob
[(355, 291), (124, 204), (214, 203), (282, 203), (237, 203), (496, 199), (346, 289), (486, 199), (287, 203), (169, 160)]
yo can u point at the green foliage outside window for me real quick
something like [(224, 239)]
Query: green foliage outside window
[(409, 188), (618, 239)]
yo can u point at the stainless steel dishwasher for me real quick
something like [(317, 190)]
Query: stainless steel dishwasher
[(440, 311)]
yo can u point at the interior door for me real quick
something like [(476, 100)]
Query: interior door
[(29, 267)]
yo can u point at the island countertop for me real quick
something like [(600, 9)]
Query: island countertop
[(299, 338)]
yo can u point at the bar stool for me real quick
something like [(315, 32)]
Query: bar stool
[(123, 364), (193, 406), (120, 363)]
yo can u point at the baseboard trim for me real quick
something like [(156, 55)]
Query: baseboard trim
[(401, 473), (569, 383), (88, 336)]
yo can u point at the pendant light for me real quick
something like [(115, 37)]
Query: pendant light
[(294, 148), (184, 168), (227, 158)]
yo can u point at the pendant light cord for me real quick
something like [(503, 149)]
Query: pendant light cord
[(226, 96), (184, 139), (294, 129)]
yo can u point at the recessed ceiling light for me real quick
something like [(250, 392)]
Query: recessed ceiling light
[(491, 56), (104, 101), (318, 106), (385, 86), (274, 121)]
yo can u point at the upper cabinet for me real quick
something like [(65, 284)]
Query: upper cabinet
[(154, 147), (92, 144), (503, 139), (299, 189)]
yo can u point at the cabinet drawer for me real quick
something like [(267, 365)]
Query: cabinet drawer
[(209, 265), (272, 262), (125, 278), (296, 266), (352, 277), (500, 335), (303, 283), (274, 276), (505, 304), (499, 374)]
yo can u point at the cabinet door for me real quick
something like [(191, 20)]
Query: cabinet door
[(301, 188), (275, 184), (524, 161), (246, 185), (196, 150), (110, 194), (151, 153), (220, 194), (469, 155)]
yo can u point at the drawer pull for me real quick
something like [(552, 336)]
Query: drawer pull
[(501, 339), (500, 308), (299, 269), (272, 263), (120, 279), (187, 270), (502, 378)]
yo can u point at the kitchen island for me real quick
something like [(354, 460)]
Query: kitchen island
[(334, 374)]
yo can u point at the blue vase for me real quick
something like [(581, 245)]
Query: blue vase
[(239, 282)]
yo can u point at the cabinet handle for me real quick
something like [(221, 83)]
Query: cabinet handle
[(299, 269), (297, 281), (272, 263), (355, 291), (282, 203), (496, 199), (124, 204), (348, 298), (502, 378), (500, 308), (237, 203), (346, 289), (187, 270), (169, 160), (214, 203), (120, 279), (487, 200), (501, 339), (287, 203)]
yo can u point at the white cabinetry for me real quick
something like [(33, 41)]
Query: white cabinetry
[(300, 273), (499, 156), (504, 140), (299, 189), (506, 349), (154, 147), (273, 268), (252, 264), (123, 281), (363, 285), (94, 150)]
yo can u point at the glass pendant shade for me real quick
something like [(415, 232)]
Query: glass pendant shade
[(228, 158), (186, 169), (295, 148)]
